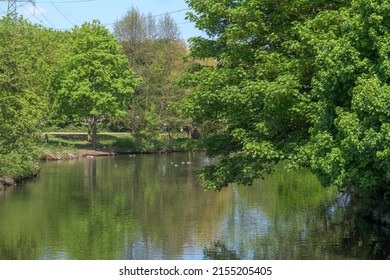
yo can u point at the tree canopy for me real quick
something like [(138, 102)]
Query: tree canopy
[(95, 79), (304, 81), (54, 79), (156, 53), (349, 102), (300, 81), (24, 81)]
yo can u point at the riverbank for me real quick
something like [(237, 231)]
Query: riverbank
[(74, 145), (69, 154), (6, 182), (47, 153)]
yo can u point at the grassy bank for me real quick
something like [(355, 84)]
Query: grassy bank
[(15, 167), (68, 145)]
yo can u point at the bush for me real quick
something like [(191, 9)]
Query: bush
[(17, 166)]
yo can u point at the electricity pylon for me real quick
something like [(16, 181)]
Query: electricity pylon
[(12, 6)]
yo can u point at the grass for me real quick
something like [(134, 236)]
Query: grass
[(114, 142)]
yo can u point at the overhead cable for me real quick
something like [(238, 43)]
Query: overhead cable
[(56, 7)]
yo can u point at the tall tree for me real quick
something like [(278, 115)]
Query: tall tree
[(95, 79), (155, 52), (305, 81), (168, 29), (246, 104), (349, 101)]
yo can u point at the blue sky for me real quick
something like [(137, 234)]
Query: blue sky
[(64, 14)]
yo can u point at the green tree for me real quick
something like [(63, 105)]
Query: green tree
[(25, 66), (155, 52), (305, 81), (95, 79), (246, 104), (349, 102)]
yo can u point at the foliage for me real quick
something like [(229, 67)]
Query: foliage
[(304, 80), (60, 79), (246, 102), (25, 65), (155, 52), (349, 103), (95, 79)]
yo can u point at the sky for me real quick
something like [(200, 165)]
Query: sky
[(64, 14)]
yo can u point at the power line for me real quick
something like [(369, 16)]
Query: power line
[(159, 15), (65, 2), (53, 3), (52, 25), (33, 14), (40, 21), (12, 3), (55, 6), (12, 6), (173, 12), (42, 14), (184, 23)]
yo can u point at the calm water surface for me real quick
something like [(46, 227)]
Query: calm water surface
[(151, 207)]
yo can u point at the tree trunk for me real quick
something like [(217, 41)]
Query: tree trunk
[(170, 136), (92, 130), (89, 134)]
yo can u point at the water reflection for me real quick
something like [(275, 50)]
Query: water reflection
[(219, 251), (151, 207)]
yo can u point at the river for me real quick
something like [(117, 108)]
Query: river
[(151, 207)]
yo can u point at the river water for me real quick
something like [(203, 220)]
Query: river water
[(151, 207)]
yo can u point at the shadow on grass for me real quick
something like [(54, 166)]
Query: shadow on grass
[(117, 143), (71, 141)]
